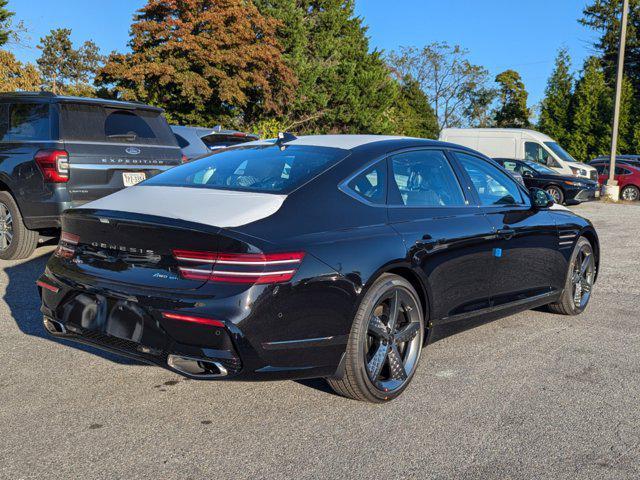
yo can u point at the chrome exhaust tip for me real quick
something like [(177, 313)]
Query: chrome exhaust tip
[(53, 327), (196, 367)]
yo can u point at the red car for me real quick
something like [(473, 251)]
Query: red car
[(627, 175)]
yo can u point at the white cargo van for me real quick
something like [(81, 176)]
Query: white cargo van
[(519, 144)]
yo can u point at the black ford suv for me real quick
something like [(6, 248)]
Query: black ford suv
[(59, 152)]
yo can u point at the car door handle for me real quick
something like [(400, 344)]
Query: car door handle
[(506, 233)]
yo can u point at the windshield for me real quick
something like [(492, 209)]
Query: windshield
[(258, 168), (539, 168), (560, 152)]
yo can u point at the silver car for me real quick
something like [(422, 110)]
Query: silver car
[(198, 141)]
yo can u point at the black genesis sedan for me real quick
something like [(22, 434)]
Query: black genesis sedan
[(565, 189), (321, 256)]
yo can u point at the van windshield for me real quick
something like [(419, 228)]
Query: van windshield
[(560, 152), (256, 168)]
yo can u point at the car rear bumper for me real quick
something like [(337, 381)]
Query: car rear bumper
[(134, 326)]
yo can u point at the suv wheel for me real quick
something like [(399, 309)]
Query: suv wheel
[(385, 342), (16, 241)]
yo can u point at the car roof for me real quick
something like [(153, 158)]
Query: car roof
[(52, 98), (204, 131)]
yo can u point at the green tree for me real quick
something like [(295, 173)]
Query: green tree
[(603, 16), (204, 61), (64, 68), (555, 110), (449, 80), (478, 111), (6, 29), (512, 111), (591, 125), (343, 87), (411, 114)]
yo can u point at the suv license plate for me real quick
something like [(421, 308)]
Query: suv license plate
[(131, 178)]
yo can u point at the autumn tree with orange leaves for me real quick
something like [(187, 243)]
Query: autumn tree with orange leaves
[(203, 61)]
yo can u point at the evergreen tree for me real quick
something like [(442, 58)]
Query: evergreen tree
[(604, 17), (555, 114), (343, 87), (6, 29), (512, 111), (66, 69), (591, 126), (411, 114), (204, 61)]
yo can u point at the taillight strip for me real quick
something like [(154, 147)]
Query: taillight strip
[(257, 262), (196, 260), (193, 319), (51, 288), (252, 274)]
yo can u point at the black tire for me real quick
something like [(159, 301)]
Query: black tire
[(356, 382), (567, 304), (23, 241), (630, 193), (556, 193)]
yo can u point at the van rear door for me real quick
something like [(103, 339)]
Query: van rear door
[(112, 147)]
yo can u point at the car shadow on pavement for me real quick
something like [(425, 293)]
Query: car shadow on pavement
[(21, 296)]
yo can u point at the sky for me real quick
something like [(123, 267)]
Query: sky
[(523, 35)]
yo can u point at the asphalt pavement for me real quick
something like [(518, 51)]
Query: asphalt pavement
[(535, 395)]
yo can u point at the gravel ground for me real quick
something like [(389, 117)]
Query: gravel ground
[(534, 395)]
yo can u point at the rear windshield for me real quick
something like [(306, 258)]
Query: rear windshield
[(253, 169), (96, 123)]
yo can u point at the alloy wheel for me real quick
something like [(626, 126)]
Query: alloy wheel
[(6, 227), (583, 276), (555, 193), (394, 340), (630, 194)]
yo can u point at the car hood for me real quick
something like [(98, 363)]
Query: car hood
[(218, 208), (580, 165)]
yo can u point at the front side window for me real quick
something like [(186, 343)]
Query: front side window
[(425, 179), (371, 184), (259, 168), (492, 186), (24, 121)]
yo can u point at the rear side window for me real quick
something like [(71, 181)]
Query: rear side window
[(182, 142), (492, 185), (426, 179), (24, 121), (371, 184), (96, 123), (264, 168)]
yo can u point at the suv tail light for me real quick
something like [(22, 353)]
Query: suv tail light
[(54, 165), (183, 158), (247, 268), (67, 245)]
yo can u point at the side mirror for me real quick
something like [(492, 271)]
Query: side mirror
[(527, 174), (540, 198)]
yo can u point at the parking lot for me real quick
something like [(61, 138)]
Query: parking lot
[(536, 395)]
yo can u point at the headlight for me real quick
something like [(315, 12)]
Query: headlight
[(575, 184), (579, 171)]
